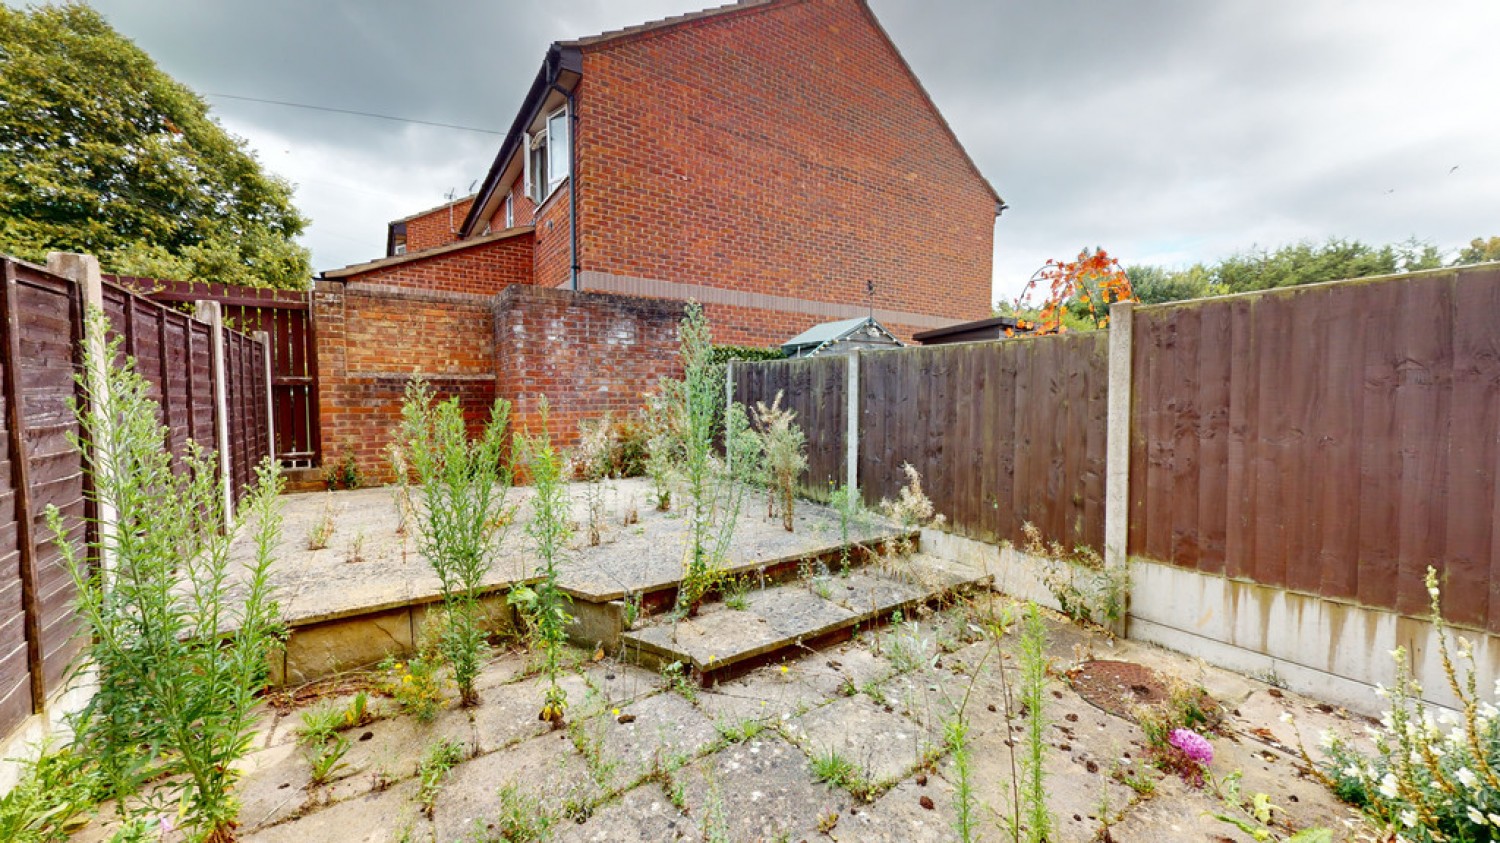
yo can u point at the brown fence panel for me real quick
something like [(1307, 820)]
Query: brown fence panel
[(43, 323), (284, 316), (245, 369), (1335, 440), (817, 388), (1003, 433)]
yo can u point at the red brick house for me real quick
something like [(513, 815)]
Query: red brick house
[(767, 158), (771, 159)]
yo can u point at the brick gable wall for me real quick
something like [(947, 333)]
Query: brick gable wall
[(783, 151), (436, 227)]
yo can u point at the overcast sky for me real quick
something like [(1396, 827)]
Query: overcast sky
[(1166, 132)]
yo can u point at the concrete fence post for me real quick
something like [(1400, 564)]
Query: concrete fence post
[(208, 311), (265, 344), (851, 422), (728, 402), (83, 270), (1117, 446)]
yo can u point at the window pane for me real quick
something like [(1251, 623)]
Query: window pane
[(557, 148), (539, 188)]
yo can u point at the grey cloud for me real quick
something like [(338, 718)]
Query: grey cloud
[(1164, 130)]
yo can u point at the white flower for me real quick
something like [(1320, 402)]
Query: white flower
[(1467, 776), (1409, 819), (1494, 819), (1326, 739), (1476, 816), (1353, 771), (1286, 717), (1388, 786)]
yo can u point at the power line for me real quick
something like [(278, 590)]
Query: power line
[(355, 113)]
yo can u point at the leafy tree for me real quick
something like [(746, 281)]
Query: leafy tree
[(1479, 250), (102, 152), (1310, 263), (1155, 284)]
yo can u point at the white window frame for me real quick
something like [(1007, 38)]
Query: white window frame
[(558, 153), (510, 210)]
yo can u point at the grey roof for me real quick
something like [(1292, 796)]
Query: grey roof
[(819, 334)]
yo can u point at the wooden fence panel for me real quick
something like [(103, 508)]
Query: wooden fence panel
[(1003, 433), (817, 389), (44, 323), (284, 316), (1335, 440), (42, 318)]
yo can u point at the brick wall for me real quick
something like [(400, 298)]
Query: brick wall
[(795, 156), (483, 268), (552, 254), (436, 227), (586, 352), (372, 339)]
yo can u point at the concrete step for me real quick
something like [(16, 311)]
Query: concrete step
[(601, 582), (796, 617)]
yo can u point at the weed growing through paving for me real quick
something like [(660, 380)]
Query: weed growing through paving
[(905, 646), (53, 792), (714, 492), (785, 449), (176, 687), (1033, 658), (736, 593), (591, 463), (833, 767), (415, 683), (1085, 588), (343, 472), (912, 509), (462, 515), (432, 772), (521, 818), (1256, 815), (849, 503), (1431, 777), (662, 418), (322, 529), (544, 606)]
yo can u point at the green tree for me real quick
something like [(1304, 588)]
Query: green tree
[(1479, 250), (1307, 262), (102, 152)]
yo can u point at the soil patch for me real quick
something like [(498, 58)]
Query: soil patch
[(1120, 687)]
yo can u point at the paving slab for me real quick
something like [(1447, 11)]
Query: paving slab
[(545, 767), (658, 732), (642, 815), (919, 813), (509, 713), (757, 790), (882, 745), (386, 817)]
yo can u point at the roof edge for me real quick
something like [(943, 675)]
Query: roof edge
[(962, 327), (557, 59), (631, 33), (864, 6)]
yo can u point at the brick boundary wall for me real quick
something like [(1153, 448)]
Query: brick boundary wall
[(588, 353), (372, 339)]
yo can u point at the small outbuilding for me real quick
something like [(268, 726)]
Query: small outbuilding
[(841, 337), (997, 328)]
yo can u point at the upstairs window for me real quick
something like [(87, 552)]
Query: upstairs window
[(547, 157), (510, 211)]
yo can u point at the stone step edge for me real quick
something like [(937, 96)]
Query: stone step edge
[(791, 560), (633, 645)]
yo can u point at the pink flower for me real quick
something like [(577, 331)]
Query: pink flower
[(1193, 745)]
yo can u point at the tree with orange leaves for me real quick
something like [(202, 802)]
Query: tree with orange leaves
[(1086, 286)]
